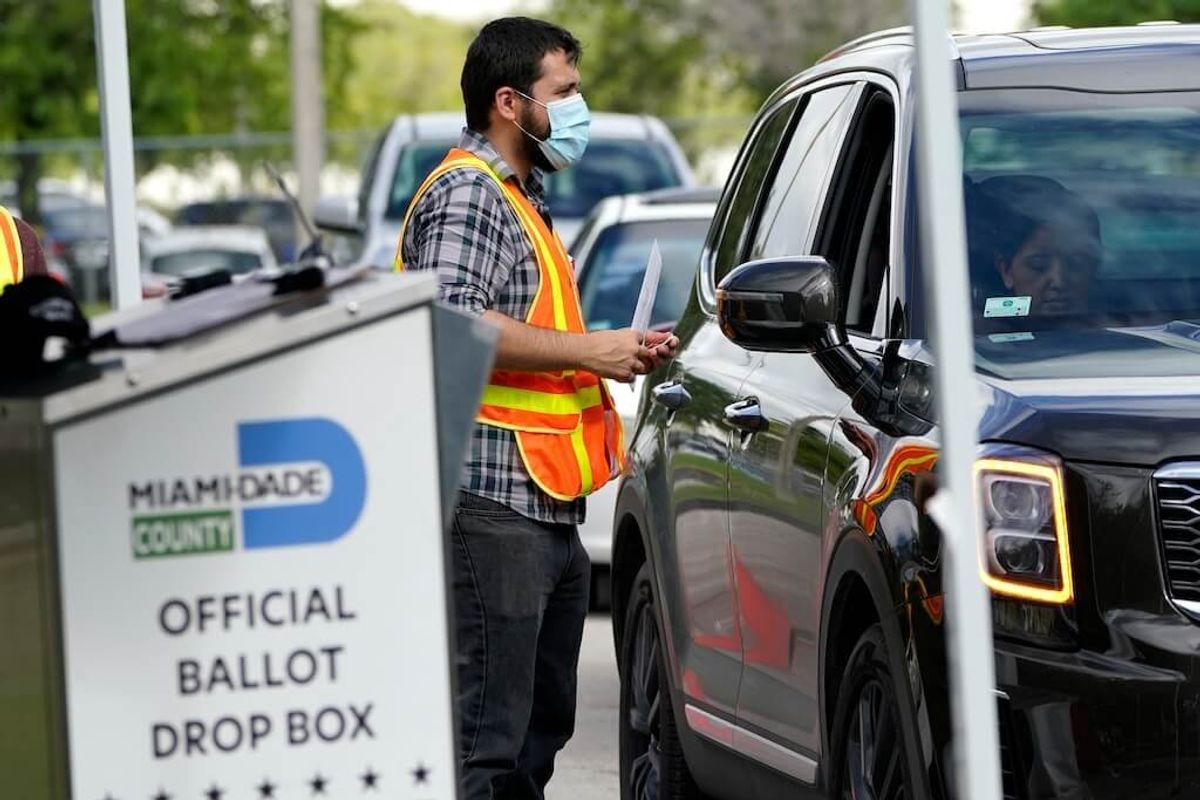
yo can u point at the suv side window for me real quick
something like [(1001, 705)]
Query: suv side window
[(757, 165), (794, 197), (856, 232)]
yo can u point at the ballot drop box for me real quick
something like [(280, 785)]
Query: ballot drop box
[(222, 553)]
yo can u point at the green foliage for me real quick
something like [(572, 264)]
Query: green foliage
[(640, 55), (195, 67), (654, 57), (1088, 13), (400, 62)]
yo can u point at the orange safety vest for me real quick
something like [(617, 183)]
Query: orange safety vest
[(567, 428), (12, 261)]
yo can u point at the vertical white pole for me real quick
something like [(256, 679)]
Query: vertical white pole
[(116, 128), (308, 106), (944, 256)]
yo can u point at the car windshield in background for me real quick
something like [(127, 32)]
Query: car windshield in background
[(612, 277), (609, 167), (417, 160), (191, 261), (78, 222), (1083, 223)]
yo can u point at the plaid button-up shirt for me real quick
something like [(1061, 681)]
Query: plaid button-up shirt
[(464, 228)]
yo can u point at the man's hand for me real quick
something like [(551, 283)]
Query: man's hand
[(621, 355), (615, 354), (663, 345)]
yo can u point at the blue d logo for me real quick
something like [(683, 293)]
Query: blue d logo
[(262, 444)]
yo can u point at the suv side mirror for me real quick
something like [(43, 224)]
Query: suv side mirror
[(789, 304), (338, 214)]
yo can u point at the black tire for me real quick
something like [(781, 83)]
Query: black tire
[(651, 756), (871, 760)]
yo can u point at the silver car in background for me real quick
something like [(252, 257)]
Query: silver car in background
[(627, 153), (610, 255), (195, 249)]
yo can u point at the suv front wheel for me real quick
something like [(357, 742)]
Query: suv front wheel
[(870, 759), (652, 765)]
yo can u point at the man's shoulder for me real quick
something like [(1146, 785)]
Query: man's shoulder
[(458, 194), (463, 181)]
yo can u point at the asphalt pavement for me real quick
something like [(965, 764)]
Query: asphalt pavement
[(587, 768)]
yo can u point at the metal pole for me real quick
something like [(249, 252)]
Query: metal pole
[(954, 508), (308, 107), (116, 130)]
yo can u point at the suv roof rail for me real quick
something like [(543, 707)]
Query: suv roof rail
[(865, 40), (1045, 28)]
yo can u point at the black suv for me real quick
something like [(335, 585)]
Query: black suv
[(778, 585)]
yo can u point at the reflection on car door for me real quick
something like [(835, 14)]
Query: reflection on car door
[(705, 378), (829, 198)]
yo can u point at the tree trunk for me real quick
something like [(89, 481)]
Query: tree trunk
[(29, 170)]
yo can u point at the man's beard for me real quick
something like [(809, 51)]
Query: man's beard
[(532, 150)]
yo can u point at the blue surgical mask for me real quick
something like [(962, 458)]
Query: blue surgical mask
[(570, 122)]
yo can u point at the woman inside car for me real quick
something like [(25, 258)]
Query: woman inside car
[(1040, 242)]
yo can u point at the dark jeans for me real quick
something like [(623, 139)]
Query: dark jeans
[(521, 595)]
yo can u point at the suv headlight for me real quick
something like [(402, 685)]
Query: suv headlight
[(1023, 522)]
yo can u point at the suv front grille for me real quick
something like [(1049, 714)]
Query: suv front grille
[(1178, 492)]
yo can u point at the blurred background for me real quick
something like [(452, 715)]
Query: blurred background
[(210, 86)]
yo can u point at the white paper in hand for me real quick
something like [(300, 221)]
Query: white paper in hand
[(645, 303)]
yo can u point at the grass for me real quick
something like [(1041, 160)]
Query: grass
[(91, 310)]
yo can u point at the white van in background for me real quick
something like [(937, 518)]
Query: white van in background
[(627, 153)]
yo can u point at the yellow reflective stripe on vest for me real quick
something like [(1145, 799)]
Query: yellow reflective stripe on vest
[(541, 402), (547, 257), (585, 462), (12, 260)]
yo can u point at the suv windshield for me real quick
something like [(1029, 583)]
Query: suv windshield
[(612, 277), (1083, 224), (610, 167)]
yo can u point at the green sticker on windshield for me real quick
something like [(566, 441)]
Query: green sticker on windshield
[(1007, 307)]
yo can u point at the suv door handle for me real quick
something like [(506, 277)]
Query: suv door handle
[(671, 395), (746, 415)]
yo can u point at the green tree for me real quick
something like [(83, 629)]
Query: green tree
[(773, 40), (195, 67), (49, 81), (1088, 13), (655, 57), (401, 62)]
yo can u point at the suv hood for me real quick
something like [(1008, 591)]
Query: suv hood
[(1145, 410)]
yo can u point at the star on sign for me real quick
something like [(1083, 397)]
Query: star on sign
[(420, 774), (266, 789), (318, 784), (214, 793), (162, 795), (370, 779)]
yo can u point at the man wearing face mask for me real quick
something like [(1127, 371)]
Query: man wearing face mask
[(546, 434)]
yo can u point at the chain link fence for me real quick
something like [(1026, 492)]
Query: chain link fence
[(223, 179)]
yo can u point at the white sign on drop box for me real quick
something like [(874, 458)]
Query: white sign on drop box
[(254, 582)]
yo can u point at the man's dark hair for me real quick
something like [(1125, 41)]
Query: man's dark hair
[(509, 52)]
